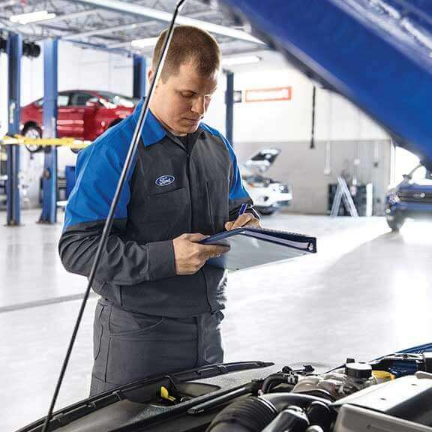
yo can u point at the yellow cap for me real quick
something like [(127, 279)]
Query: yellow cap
[(383, 375)]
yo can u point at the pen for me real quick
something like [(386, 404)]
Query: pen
[(242, 209)]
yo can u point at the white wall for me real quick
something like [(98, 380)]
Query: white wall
[(336, 118), (346, 138), (94, 70)]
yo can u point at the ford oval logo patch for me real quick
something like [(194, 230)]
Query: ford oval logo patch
[(165, 180)]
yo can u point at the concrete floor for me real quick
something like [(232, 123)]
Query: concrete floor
[(367, 292)]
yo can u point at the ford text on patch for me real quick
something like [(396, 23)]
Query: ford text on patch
[(165, 180)]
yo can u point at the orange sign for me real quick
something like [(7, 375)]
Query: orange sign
[(267, 95)]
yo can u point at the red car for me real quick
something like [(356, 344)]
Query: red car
[(82, 114)]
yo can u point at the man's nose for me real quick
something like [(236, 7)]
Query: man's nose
[(199, 106)]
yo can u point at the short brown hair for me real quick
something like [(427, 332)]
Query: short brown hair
[(188, 44)]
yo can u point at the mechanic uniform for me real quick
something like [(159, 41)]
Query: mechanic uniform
[(150, 320)]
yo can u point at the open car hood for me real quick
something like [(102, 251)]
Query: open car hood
[(262, 160), (377, 53)]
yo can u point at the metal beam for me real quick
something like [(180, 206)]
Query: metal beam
[(139, 76), (229, 100), (106, 30), (49, 179), (14, 51), (143, 11), (123, 27)]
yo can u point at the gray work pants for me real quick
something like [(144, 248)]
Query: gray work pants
[(130, 346)]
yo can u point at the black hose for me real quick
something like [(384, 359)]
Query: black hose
[(280, 401), (254, 414), (292, 419), (249, 415), (320, 414), (277, 378)]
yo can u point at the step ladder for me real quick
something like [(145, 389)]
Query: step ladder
[(343, 193)]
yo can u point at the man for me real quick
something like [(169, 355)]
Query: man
[(160, 302)]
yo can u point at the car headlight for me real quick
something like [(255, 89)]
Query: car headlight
[(393, 197)]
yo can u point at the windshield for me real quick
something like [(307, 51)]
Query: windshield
[(117, 99), (421, 174)]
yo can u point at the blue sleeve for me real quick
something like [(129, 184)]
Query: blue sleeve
[(237, 190), (238, 194), (123, 262), (98, 171)]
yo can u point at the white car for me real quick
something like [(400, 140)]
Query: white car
[(267, 194)]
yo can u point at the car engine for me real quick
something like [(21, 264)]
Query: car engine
[(393, 394)]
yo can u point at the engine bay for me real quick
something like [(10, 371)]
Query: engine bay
[(390, 394)]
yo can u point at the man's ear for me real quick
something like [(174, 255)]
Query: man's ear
[(150, 75)]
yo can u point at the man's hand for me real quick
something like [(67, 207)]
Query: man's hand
[(190, 256), (246, 219)]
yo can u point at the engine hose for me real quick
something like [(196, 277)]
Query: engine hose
[(254, 414), (278, 378), (320, 414), (292, 419), (248, 415), (280, 401)]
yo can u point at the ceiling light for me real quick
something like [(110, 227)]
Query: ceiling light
[(144, 43), (32, 17), (232, 61)]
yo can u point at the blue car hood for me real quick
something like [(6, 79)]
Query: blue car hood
[(377, 53)]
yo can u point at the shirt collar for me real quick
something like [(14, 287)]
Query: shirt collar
[(153, 131)]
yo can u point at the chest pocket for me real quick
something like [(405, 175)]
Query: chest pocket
[(218, 202), (168, 215)]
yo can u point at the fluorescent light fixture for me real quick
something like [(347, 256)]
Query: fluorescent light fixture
[(233, 61), (144, 43), (32, 17)]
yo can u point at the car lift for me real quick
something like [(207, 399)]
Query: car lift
[(14, 51), (229, 101), (49, 141), (139, 76), (49, 177), (49, 206)]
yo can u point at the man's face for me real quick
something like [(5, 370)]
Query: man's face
[(181, 102)]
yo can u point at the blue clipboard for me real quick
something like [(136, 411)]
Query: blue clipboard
[(250, 247)]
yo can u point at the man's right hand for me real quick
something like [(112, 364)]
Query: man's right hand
[(190, 255)]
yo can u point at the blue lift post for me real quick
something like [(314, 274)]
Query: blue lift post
[(139, 76), (49, 180), (14, 51), (229, 100)]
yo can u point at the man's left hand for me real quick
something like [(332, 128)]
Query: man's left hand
[(246, 219)]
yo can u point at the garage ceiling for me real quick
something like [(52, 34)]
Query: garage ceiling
[(114, 24)]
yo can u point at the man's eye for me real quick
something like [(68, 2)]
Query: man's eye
[(187, 95)]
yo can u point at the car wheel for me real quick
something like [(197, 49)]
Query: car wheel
[(395, 223), (265, 211), (32, 132)]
